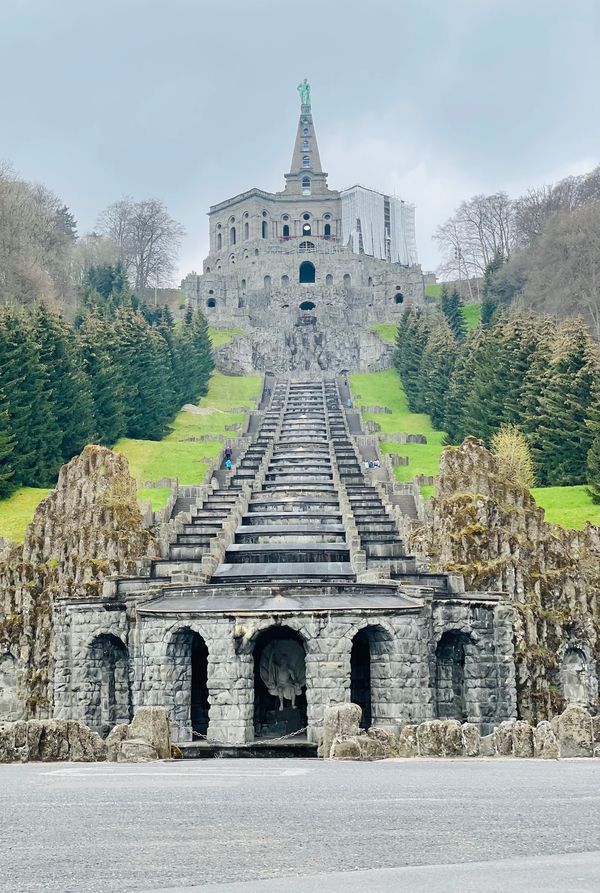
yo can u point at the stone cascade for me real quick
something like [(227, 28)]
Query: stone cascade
[(294, 526), (375, 525), (208, 522)]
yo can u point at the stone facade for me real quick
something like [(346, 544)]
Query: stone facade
[(278, 265)]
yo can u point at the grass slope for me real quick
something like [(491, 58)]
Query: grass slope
[(222, 336), (17, 511), (566, 506), (386, 331), (151, 460)]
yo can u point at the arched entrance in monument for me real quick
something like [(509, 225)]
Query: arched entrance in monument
[(369, 670), (188, 654), (108, 667), (450, 681), (279, 682), (307, 272)]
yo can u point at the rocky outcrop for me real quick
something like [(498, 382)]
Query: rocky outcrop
[(89, 527), (489, 529), (49, 741), (574, 733)]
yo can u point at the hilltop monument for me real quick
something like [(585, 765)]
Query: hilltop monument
[(305, 272)]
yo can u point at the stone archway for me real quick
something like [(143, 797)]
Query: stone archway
[(108, 674), (369, 672), (450, 678), (574, 677), (188, 654), (307, 273), (279, 682)]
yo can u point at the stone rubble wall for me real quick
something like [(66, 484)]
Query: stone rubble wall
[(489, 529), (574, 733), (88, 528)]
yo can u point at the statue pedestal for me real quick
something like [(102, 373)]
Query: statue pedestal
[(281, 722)]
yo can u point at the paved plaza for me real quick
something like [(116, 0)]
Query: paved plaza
[(259, 826)]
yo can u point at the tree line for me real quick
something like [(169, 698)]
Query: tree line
[(540, 251), (43, 258), (521, 370), (119, 369)]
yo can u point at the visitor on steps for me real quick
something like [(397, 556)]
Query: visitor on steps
[(228, 465), (228, 453)]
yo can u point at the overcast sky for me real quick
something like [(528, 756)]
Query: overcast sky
[(193, 102)]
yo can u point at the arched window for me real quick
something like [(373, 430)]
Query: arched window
[(327, 230), (267, 283), (347, 280), (305, 131), (232, 259), (305, 185), (211, 302), (207, 270), (232, 236), (246, 230), (451, 679), (306, 229), (286, 231), (306, 246), (370, 281), (305, 145), (243, 284), (264, 229), (219, 241), (256, 252), (398, 297), (306, 272), (285, 281), (306, 161), (329, 279), (307, 305)]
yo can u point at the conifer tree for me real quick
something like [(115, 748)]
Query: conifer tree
[(437, 364), (561, 439), (37, 436), (7, 451), (452, 308), (69, 384), (490, 302), (95, 342)]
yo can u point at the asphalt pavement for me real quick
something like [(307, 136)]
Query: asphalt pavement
[(269, 826)]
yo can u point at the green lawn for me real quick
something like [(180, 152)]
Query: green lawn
[(472, 315), (567, 506), (151, 460), (386, 331), (17, 511), (222, 336), (157, 496), (384, 389), (433, 290)]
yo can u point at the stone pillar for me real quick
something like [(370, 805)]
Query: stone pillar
[(230, 689)]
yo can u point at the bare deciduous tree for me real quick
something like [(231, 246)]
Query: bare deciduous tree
[(563, 267), (147, 239), (478, 230)]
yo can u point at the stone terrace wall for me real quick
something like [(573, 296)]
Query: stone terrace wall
[(88, 528), (490, 529)]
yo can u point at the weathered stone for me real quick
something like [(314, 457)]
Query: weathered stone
[(573, 729), (407, 742), (136, 750), (430, 738), (85, 746), (452, 739), (151, 724), (387, 742), (49, 740), (522, 739), (487, 746), (339, 721), (113, 741), (503, 739), (345, 749), (471, 739), (596, 734), (545, 742)]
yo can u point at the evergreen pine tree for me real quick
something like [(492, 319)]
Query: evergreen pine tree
[(437, 364), (71, 395), (37, 436), (490, 301), (95, 342), (452, 308), (7, 451)]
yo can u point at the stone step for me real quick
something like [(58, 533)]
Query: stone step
[(242, 553), (250, 573)]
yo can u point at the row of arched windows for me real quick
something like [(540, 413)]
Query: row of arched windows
[(306, 225)]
